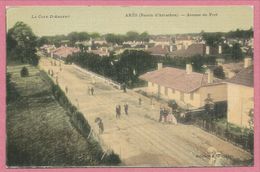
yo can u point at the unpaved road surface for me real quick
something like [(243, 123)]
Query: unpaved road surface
[(139, 138)]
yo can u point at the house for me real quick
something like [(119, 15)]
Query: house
[(185, 86), (196, 49), (231, 69), (160, 50), (46, 49), (102, 52), (100, 41), (162, 40), (63, 52), (240, 96), (184, 41)]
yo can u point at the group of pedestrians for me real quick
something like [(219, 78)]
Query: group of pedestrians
[(167, 116), (118, 110), (91, 90)]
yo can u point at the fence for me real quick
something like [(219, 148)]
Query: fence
[(215, 124)]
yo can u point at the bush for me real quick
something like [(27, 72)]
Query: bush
[(24, 72)]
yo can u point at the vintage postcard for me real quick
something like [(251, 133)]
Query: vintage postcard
[(130, 86)]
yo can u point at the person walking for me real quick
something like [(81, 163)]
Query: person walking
[(57, 80), (101, 126), (92, 91), (161, 114), (126, 108), (140, 101), (66, 89), (117, 112)]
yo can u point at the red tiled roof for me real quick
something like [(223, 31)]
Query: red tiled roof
[(178, 79), (65, 51), (234, 67), (158, 50), (244, 77), (193, 49)]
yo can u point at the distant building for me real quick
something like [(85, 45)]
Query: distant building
[(240, 96), (63, 52), (185, 86), (100, 41), (46, 49), (162, 40), (102, 52), (231, 69), (183, 42), (160, 50), (196, 49)]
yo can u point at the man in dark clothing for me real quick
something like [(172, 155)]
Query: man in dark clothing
[(161, 114), (92, 91), (126, 108), (140, 101), (66, 90), (117, 112), (101, 126)]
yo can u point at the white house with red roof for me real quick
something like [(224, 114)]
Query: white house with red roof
[(240, 96), (185, 86)]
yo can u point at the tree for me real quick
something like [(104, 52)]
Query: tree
[(219, 72), (144, 37), (212, 39), (132, 36), (41, 41), (21, 44), (236, 52)]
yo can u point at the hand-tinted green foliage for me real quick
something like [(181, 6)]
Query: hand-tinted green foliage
[(212, 39), (45, 129), (219, 72), (124, 69), (245, 34), (236, 52), (11, 93), (21, 44)]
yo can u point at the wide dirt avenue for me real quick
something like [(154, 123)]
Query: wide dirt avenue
[(139, 139)]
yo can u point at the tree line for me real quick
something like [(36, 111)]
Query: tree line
[(124, 68), (74, 37)]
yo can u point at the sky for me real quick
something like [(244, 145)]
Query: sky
[(116, 19)]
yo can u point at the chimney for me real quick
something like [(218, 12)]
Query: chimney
[(210, 76), (247, 62), (66, 45), (146, 47), (188, 68), (171, 48), (207, 50), (220, 49), (159, 66)]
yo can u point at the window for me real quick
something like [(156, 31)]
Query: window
[(191, 96), (173, 91), (166, 91)]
